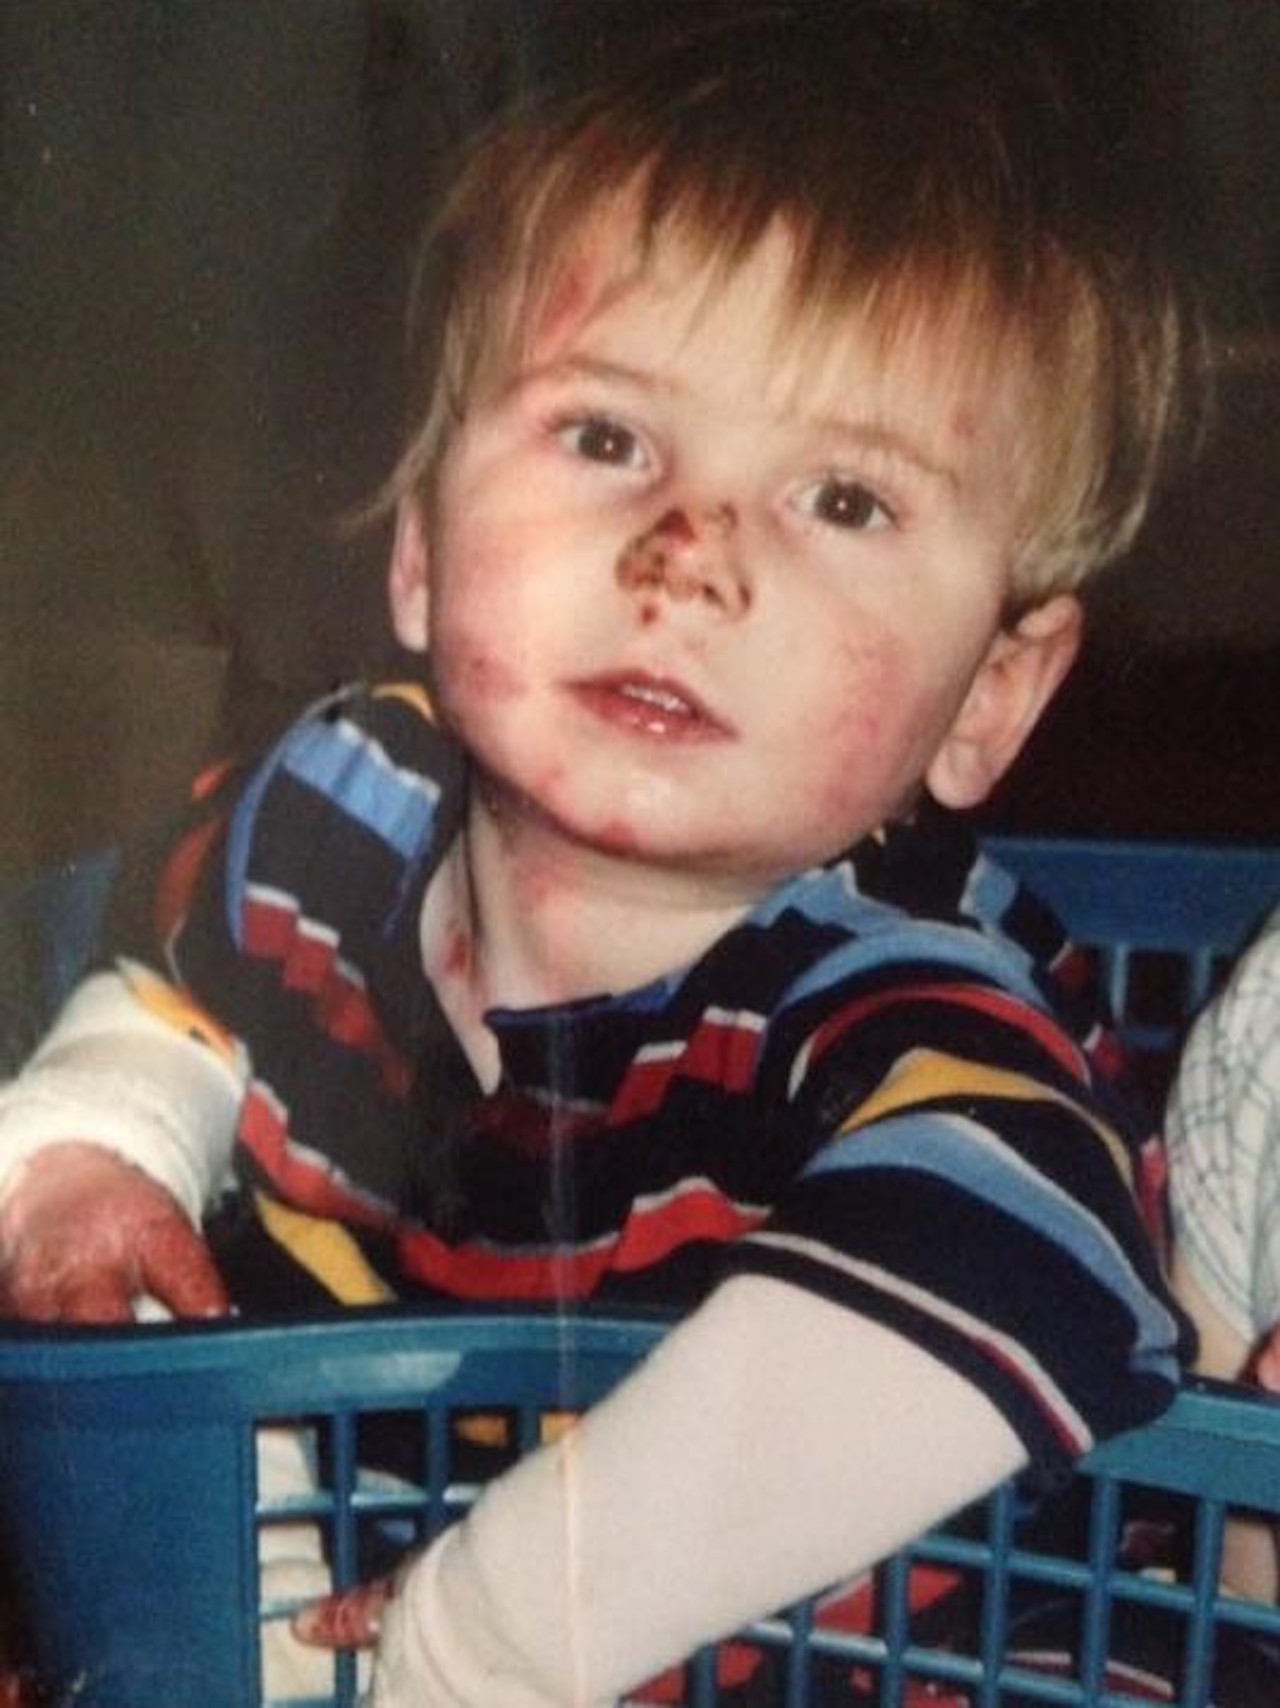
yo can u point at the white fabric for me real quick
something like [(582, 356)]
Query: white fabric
[(110, 1073), (774, 1444), (292, 1563), (293, 1567), (1223, 1131)]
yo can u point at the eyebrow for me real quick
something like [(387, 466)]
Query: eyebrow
[(592, 368), (886, 440), (889, 441)]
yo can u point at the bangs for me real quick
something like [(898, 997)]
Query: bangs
[(855, 260), (926, 187)]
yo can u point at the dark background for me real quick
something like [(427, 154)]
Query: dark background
[(206, 208)]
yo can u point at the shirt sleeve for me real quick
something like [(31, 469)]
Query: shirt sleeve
[(121, 1067), (960, 1181), (1223, 1132), (302, 936), (773, 1444)]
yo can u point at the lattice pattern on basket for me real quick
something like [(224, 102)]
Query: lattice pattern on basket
[(1163, 921), (1105, 1596)]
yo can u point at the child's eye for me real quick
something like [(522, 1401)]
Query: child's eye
[(847, 504), (601, 440)]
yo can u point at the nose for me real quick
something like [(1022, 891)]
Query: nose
[(689, 558)]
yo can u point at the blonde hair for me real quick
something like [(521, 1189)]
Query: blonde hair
[(927, 163)]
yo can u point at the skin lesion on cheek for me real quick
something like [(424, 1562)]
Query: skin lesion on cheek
[(964, 422), (860, 722), (875, 678), (481, 675)]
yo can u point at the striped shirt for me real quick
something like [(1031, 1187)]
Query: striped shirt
[(879, 1086)]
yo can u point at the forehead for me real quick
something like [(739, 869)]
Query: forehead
[(747, 331)]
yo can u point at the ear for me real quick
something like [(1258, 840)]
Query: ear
[(1016, 680), (407, 582)]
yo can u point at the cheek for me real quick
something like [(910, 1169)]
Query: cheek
[(476, 692), (476, 673), (869, 683), (476, 651), (872, 733)]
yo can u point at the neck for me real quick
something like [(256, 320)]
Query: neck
[(522, 916)]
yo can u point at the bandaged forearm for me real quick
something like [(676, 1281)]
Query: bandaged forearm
[(111, 1073), (774, 1444)]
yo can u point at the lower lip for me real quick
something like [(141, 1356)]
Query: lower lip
[(646, 717)]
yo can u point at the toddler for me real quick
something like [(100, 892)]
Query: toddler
[(776, 399)]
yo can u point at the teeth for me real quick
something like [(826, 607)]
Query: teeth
[(658, 697)]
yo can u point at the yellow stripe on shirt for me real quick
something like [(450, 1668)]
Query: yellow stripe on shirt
[(326, 1250), (925, 1076), (328, 1253)]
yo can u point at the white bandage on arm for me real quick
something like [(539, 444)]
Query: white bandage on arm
[(111, 1073), (774, 1444)]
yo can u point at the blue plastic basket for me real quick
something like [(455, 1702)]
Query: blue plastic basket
[(130, 1513), (130, 1507), (130, 1499), (1165, 919)]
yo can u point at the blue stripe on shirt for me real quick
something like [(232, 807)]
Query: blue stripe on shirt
[(351, 770), (977, 1161)]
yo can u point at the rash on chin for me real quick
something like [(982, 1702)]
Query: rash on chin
[(616, 836)]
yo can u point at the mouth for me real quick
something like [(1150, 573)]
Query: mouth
[(651, 705)]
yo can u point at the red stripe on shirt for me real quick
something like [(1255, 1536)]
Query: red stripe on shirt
[(651, 1232), (275, 930), (722, 1051), (301, 1179), (995, 1004)]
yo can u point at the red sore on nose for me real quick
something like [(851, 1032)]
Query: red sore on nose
[(674, 526)]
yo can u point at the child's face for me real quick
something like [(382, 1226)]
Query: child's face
[(701, 599)]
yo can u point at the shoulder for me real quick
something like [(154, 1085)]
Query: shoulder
[(351, 798), (920, 955), (922, 902), (371, 754)]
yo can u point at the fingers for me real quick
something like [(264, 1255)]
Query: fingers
[(174, 1266), (104, 1301), (50, 1293), (351, 1619), (85, 1236), (171, 1264)]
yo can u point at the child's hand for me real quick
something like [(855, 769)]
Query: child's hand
[(349, 1619), (84, 1234)]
